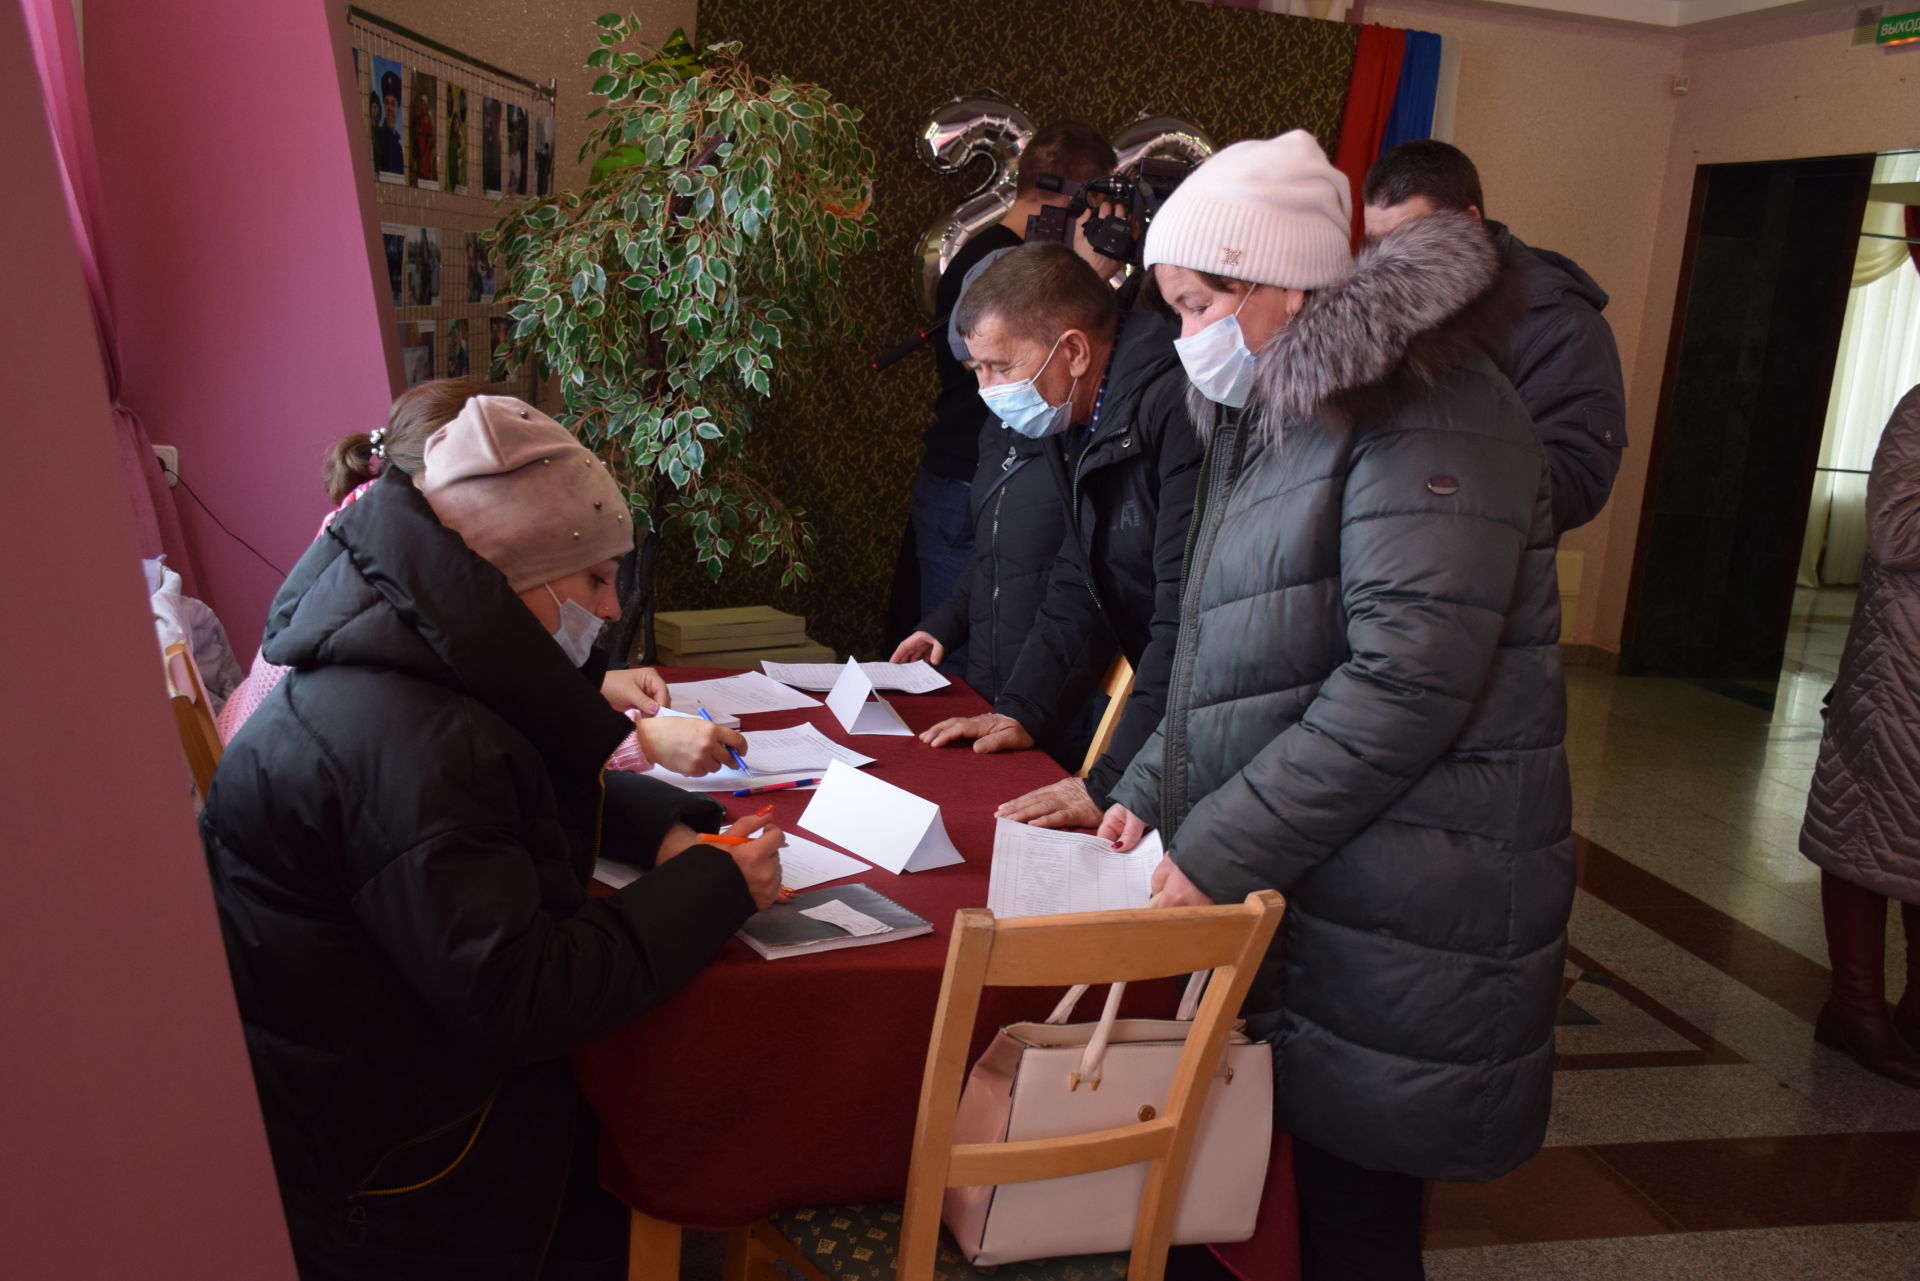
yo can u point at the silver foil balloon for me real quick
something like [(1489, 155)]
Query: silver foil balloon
[(955, 135), (1160, 136)]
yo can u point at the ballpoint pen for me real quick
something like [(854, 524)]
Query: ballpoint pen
[(778, 787), (730, 752)]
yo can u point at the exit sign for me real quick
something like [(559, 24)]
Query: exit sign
[(1898, 29)]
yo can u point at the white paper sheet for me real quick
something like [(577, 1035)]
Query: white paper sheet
[(801, 747), (888, 826), (1038, 871), (691, 712), (740, 695), (725, 780), (858, 709), (805, 864), (615, 875), (900, 678), (854, 922)]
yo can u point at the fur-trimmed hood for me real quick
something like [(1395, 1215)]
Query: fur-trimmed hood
[(1419, 302)]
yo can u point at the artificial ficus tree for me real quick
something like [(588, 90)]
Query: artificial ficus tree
[(661, 298)]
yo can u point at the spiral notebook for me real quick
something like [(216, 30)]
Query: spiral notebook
[(829, 919)]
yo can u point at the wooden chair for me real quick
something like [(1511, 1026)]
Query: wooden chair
[(192, 716), (1117, 684), (859, 1243)]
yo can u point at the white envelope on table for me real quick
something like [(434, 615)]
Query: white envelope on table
[(888, 826), (858, 708)]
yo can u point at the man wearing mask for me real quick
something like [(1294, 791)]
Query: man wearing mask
[(940, 526), (1053, 362), (1560, 355)]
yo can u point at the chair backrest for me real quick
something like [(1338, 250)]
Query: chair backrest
[(192, 716), (1117, 684), (1059, 951)]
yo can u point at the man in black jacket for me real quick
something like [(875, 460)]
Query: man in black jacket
[(1560, 355), (400, 840), (1041, 326)]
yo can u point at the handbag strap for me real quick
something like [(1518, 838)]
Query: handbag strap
[(1190, 999), (1096, 1051)]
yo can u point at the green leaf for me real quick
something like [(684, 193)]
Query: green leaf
[(604, 85), (607, 20)]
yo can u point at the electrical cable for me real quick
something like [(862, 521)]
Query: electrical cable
[(182, 482)]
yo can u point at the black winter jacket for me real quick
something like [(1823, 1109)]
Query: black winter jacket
[(1115, 585), (1018, 524), (400, 841), (1561, 358), (1366, 714)]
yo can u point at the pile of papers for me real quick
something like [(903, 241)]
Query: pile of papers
[(896, 678)]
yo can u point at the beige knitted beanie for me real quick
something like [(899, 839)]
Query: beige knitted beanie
[(1271, 211), (523, 493)]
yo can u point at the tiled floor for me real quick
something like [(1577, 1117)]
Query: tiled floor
[(1697, 1130)]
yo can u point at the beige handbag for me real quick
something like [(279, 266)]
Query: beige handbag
[(1043, 1080)]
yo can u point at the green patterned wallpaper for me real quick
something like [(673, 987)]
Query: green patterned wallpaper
[(842, 443)]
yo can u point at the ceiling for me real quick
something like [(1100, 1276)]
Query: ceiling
[(1676, 15)]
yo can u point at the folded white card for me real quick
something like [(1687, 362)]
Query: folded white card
[(888, 826), (858, 708)]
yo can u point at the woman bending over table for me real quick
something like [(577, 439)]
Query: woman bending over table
[(400, 840), (1366, 707)]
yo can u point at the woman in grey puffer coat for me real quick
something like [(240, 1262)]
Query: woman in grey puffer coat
[(1863, 813), (1367, 706)]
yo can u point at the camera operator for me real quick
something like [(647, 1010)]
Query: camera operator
[(940, 528), (1053, 362)]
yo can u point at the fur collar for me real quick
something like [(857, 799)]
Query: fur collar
[(1419, 302)]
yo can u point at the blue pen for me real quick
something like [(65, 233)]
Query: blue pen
[(730, 752)]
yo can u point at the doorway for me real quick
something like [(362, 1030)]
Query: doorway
[(1757, 327)]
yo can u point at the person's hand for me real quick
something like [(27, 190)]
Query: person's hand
[(758, 859), (687, 744), (918, 646), (1171, 888), (640, 689), (1107, 267), (678, 838), (1123, 827), (1062, 804), (991, 732)]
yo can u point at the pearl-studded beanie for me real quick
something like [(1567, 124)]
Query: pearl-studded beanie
[(1271, 211), (523, 493)]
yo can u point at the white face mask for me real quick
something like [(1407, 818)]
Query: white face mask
[(579, 628), (1021, 406), (1218, 361)]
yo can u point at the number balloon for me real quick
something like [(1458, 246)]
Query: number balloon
[(955, 135), (1160, 136)]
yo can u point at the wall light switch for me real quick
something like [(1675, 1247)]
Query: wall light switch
[(169, 456)]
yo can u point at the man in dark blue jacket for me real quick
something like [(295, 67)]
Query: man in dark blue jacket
[(1560, 355)]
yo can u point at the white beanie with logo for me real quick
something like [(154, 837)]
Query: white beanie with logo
[(1272, 211)]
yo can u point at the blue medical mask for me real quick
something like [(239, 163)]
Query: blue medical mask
[(1021, 406), (1218, 361), (579, 628)]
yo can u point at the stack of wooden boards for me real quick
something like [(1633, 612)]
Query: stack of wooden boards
[(735, 638)]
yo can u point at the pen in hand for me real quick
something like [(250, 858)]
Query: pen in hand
[(730, 752)]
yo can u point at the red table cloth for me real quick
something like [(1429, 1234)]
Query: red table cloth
[(771, 1085)]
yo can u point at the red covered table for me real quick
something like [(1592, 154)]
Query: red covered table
[(770, 1085)]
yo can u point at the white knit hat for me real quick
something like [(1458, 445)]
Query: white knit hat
[(1271, 211)]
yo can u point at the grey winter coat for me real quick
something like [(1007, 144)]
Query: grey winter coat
[(1366, 713), (1863, 813)]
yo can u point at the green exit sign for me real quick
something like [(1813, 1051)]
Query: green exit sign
[(1898, 29)]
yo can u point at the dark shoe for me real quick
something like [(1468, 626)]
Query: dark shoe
[(1869, 1039)]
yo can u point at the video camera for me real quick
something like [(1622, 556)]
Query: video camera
[(1137, 191)]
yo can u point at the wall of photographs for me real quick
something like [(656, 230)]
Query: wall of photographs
[(453, 138)]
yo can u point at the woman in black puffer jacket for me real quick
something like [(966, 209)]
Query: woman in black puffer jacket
[(1366, 707)]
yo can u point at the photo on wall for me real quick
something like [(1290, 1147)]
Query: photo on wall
[(543, 151), (480, 282), (393, 238), (416, 351), (516, 150), (457, 353), (456, 152), (499, 333), (387, 86), (490, 135), (422, 132), (423, 266)]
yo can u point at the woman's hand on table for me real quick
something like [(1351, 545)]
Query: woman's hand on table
[(990, 731), (687, 744), (1171, 888), (918, 646), (758, 858), (1062, 804), (640, 689)]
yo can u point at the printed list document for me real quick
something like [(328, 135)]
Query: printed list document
[(740, 695), (798, 748), (896, 678), (1038, 871)]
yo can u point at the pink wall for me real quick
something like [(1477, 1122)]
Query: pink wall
[(242, 249), (132, 1142)]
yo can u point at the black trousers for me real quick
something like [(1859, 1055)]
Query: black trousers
[(1356, 1224)]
